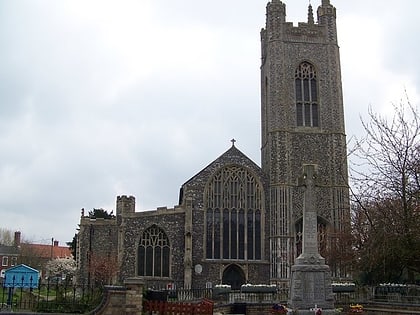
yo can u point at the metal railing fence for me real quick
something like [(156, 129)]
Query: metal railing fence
[(49, 297)]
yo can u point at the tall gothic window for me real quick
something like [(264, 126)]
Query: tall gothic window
[(153, 253), (233, 218), (307, 111)]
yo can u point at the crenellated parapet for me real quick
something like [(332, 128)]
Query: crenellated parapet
[(278, 29)]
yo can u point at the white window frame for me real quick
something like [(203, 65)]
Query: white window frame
[(5, 261)]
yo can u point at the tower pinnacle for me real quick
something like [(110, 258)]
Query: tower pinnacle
[(327, 16), (310, 14)]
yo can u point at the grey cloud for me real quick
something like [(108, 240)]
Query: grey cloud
[(82, 119)]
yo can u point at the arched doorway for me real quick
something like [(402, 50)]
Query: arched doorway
[(234, 276)]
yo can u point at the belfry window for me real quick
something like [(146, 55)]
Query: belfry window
[(307, 111), (233, 218), (153, 253)]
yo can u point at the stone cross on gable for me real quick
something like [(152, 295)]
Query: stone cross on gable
[(310, 252)]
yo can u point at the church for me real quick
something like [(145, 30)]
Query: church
[(238, 222)]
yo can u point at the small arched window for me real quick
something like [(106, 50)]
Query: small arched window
[(306, 88), (153, 253)]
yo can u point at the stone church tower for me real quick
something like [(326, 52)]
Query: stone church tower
[(302, 120)]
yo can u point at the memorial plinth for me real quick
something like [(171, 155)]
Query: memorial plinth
[(310, 286)]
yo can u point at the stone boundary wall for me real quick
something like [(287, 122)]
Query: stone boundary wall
[(127, 299)]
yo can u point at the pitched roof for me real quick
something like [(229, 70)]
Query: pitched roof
[(232, 155), (21, 268), (9, 250), (48, 251)]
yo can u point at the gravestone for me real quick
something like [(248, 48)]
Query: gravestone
[(310, 286)]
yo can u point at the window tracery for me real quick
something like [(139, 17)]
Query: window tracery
[(233, 217), (306, 89), (153, 253)]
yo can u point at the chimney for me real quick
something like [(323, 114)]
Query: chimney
[(55, 243), (17, 238)]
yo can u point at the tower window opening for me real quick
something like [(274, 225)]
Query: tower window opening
[(307, 111)]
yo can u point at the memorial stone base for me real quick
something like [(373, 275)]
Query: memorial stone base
[(311, 288)]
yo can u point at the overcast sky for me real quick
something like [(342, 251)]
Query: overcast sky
[(105, 98)]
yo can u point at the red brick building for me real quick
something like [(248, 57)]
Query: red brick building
[(33, 255)]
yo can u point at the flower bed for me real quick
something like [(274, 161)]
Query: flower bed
[(356, 308), (279, 309)]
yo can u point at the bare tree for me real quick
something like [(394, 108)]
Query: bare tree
[(6, 237), (30, 256), (338, 253), (103, 269), (385, 190)]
